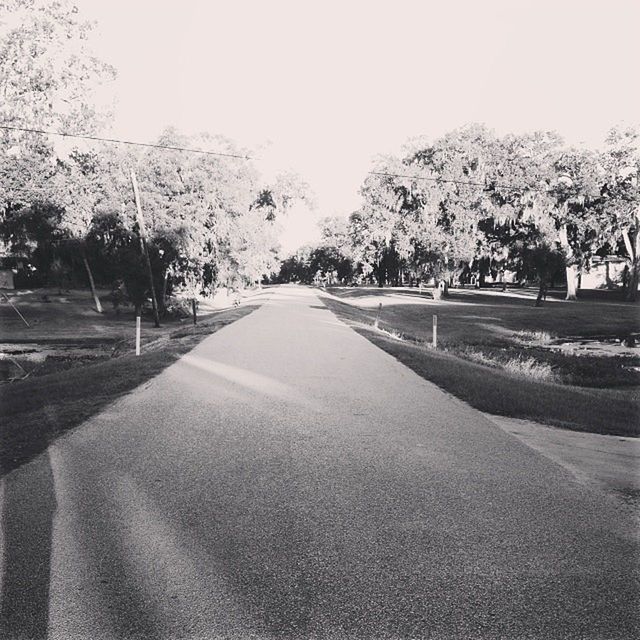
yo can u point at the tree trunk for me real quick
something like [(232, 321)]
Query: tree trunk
[(542, 294), (634, 278), (571, 268), (440, 289), (572, 282), (632, 244), (165, 285), (380, 273), (92, 284)]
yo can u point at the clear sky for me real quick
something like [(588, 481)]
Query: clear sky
[(323, 86)]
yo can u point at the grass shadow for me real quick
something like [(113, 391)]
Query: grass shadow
[(36, 411)]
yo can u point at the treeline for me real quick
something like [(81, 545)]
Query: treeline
[(473, 203), (209, 221), (67, 208)]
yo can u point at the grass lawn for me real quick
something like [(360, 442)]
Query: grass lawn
[(36, 410), (494, 352)]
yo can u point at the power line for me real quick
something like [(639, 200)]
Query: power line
[(452, 181), (245, 157), (129, 142)]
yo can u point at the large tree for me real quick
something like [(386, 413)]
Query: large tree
[(574, 195), (379, 241), (48, 76), (620, 221), (445, 205), (48, 72)]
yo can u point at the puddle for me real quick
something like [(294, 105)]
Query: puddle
[(597, 346), (21, 360)]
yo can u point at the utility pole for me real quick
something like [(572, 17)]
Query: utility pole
[(143, 244)]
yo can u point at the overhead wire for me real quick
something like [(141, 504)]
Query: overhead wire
[(247, 157), (128, 142), (454, 181)]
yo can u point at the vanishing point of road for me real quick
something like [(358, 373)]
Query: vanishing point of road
[(287, 479)]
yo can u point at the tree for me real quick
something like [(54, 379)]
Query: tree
[(192, 204), (377, 235), (297, 267), (76, 187), (333, 253), (620, 205), (574, 192), (47, 76), (277, 198), (448, 201), (522, 230), (48, 72)]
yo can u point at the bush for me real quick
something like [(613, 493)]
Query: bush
[(530, 368)]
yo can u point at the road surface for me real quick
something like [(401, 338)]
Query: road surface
[(287, 479)]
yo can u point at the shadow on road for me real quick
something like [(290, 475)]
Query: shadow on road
[(28, 508)]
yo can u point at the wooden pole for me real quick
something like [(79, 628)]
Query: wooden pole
[(435, 331), (138, 334), (15, 309), (145, 249), (92, 284)]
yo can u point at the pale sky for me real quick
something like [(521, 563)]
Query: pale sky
[(329, 84)]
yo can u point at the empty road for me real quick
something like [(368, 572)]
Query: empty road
[(287, 479)]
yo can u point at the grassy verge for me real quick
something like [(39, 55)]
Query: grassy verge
[(495, 391), (572, 343), (35, 411)]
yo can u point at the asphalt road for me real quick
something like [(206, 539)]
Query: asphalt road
[(287, 479)]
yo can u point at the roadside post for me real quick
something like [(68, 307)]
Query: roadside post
[(143, 245), (138, 334), (435, 331), (377, 321)]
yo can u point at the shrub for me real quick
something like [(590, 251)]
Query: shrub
[(519, 366), (530, 368), (535, 337)]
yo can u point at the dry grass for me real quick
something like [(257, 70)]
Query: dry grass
[(530, 368), (523, 366)]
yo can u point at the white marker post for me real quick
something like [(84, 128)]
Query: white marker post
[(435, 331), (137, 335), (375, 324)]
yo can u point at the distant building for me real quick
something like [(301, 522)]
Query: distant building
[(608, 272), (11, 267)]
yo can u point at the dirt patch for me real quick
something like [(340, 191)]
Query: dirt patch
[(610, 463)]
